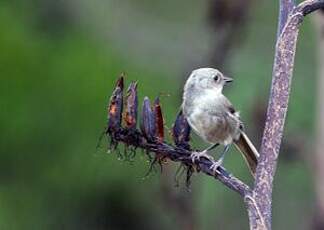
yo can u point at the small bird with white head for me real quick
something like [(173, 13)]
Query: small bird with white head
[(211, 115)]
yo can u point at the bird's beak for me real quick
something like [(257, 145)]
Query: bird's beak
[(228, 79)]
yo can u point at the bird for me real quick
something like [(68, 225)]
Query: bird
[(213, 118)]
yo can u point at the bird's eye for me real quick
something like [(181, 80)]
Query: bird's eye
[(216, 77)]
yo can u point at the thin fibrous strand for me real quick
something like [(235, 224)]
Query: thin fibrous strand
[(179, 172), (153, 162)]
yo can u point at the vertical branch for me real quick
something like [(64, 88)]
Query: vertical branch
[(285, 7), (259, 204), (277, 109)]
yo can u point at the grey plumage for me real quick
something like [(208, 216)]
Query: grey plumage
[(212, 116)]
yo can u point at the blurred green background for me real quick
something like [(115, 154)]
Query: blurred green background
[(58, 64)]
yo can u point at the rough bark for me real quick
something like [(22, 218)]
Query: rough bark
[(276, 114), (290, 19)]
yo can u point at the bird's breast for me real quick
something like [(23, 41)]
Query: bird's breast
[(213, 127)]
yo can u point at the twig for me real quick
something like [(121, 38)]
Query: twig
[(182, 155)]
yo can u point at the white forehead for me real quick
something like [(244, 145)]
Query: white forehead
[(204, 72)]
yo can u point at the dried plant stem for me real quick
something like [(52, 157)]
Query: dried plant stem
[(182, 155)]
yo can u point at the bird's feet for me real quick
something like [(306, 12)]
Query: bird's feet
[(197, 155), (215, 165)]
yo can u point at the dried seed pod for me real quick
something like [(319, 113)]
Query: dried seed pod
[(148, 120), (115, 108), (159, 122), (131, 106), (181, 131)]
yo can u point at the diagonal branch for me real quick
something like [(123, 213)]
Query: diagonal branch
[(178, 154)]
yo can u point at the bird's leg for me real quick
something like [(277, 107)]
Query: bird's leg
[(219, 162), (197, 155), (212, 147)]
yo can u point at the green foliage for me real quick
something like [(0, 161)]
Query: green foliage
[(54, 89)]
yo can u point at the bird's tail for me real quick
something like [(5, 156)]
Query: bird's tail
[(250, 154)]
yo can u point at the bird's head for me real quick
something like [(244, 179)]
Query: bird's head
[(207, 79)]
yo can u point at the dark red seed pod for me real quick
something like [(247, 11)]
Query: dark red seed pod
[(181, 131), (131, 107), (159, 122), (115, 108), (148, 120)]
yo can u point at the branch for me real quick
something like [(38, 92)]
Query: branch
[(178, 154), (286, 7), (309, 6), (277, 107), (151, 136)]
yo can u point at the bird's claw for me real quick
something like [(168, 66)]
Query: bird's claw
[(197, 155), (215, 165)]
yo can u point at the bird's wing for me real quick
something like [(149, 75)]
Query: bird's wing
[(232, 112), (243, 143), (228, 105)]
